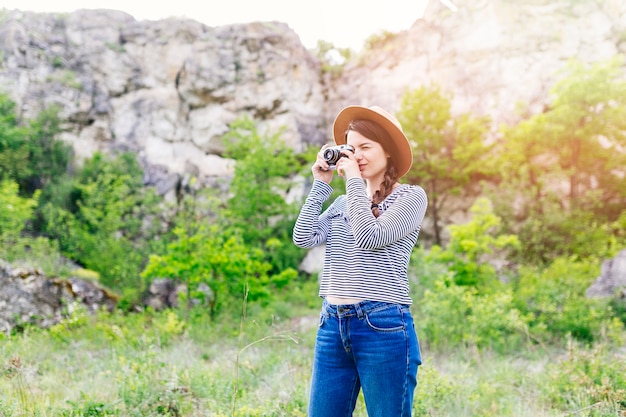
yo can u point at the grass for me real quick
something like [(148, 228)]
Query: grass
[(154, 364)]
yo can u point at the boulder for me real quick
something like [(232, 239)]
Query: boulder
[(612, 279)]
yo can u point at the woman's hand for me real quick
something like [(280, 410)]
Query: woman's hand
[(347, 166), (321, 170)]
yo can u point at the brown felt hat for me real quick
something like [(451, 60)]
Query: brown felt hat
[(400, 151)]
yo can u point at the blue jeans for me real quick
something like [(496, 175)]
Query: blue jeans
[(371, 346)]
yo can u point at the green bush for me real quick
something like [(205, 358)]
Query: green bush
[(471, 246), (108, 221), (592, 380), (14, 210), (433, 392), (554, 298), (454, 315), (217, 258)]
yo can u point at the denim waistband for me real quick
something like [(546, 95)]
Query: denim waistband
[(358, 310)]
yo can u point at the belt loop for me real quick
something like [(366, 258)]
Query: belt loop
[(359, 311)]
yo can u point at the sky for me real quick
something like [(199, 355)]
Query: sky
[(344, 23)]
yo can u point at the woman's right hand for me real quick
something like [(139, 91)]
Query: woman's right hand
[(321, 170)]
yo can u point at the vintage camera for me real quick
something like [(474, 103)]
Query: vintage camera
[(333, 153)]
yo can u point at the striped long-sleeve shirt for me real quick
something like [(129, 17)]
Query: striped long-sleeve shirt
[(366, 257)]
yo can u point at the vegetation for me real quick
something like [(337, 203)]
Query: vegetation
[(499, 299), (332, 58), (379, 39), (450, 154), (564, 167)]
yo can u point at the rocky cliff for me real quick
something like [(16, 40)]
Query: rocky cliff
[(168, 89), (490, 55), (29, 297)]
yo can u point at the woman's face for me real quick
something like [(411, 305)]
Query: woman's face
[(370, 156)]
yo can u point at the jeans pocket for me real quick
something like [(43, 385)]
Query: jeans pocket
[(386, 320)]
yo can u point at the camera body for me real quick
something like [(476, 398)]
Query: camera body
[(333, 153)]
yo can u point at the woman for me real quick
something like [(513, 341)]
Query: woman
[(366, 337)]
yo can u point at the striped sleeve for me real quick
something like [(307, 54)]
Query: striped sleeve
[(311, 228), (400, 219)]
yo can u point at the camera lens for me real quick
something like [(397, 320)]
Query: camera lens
[(330, 155)]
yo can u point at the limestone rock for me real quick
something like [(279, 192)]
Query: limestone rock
[(169, 89), (166, 90), (29, 297), (612, 279)]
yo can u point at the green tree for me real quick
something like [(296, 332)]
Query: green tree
[(30, 152), (333, 59), (474, 247), (450, 156), (110, 222), (242, 240), (216, 258), (257, 205), (555, 298), (50, 159), (562, 170), (14, 152), (15, 211), (586, 134)]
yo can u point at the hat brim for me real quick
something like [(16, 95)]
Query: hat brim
[(402, 156)]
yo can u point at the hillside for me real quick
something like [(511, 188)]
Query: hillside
[(168, 89)]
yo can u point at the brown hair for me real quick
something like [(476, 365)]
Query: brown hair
[(375, 132)]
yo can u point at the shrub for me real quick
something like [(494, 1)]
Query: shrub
[(471, 246), (555, 300), (453, 315), (588, 379)]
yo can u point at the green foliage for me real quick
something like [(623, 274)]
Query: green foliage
[(593, 380), (39, 251), (468, 304), (379, 40), (555, 299), (13, 143), (30, 154), (14, 210), (562, 169), (462, 301), (333, 59), (257, 207), (548, 234), (473, 245), (152, 363), (618, 306), (433, 392), (32, 160), (122, 164), (245, 241), (449, 153), (263, 164), (216, 258), (108, 222), (587, 132), (49, 158), (454, 315)]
